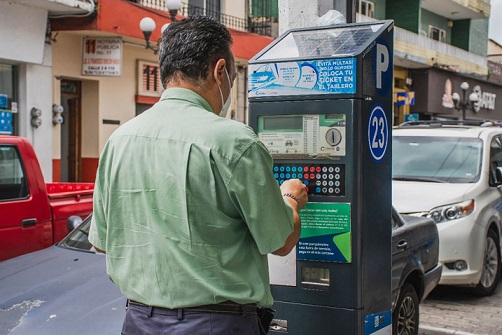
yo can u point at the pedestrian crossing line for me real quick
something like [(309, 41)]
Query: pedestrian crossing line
[(446, 330)]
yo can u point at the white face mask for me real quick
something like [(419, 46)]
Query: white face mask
[(225, 104)]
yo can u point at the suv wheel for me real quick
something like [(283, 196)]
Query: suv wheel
[(490, 274), (405, 317)]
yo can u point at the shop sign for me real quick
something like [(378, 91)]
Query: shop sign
[(149, 79), (486, 99), (102, 56), (405, 98)]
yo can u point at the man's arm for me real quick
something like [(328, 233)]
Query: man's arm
[(295, 193)]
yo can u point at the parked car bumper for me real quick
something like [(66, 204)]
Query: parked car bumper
[(461, 240), (432, 278)]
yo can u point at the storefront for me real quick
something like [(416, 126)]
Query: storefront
[(435, 88)]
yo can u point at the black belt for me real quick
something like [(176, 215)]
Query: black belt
[(227, 307)]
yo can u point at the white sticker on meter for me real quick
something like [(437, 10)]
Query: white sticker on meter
[(378, 133)]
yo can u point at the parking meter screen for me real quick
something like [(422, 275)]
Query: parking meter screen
[(303, 135)]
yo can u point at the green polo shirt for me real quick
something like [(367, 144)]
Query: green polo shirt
[(187, 208)]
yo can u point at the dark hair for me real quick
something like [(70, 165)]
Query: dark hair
[(191, 47)]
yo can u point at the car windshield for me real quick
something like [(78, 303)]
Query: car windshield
[(78, 238), (436, 159)]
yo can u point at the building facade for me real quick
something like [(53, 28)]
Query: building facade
[(26, 69), (98, 72), (438, 45)]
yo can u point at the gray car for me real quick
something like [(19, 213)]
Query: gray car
[(64, 289)]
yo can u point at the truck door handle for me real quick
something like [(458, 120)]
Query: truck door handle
[(28, 222), (403, 244)]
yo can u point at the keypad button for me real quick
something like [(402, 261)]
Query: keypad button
[(306, 169), (337, 169), (324, 183), (306, 176), (330, 183), (276, 168), (330, 176), (318, 169), (330, 190), (312, 169), (337, 183), (318, 190), (306, 182), (324, 169), (337, 190), (293, 169), (324, 176), (288, 168), (312, 176), (281, 168), (288, 176), (318, 183), (281, 175), (276, 175), (281, 182), (318, 176), (337, 176), (330, 169), (324, 190)]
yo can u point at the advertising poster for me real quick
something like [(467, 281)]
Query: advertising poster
[(326, 233), (333, 76)]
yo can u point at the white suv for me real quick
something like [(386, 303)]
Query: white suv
[(452, 173)]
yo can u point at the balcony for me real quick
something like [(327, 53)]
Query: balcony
[(258, 25), (458, 9), (55, 7), (416, 51)]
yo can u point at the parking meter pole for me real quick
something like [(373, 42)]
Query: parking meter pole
[(320, 100)]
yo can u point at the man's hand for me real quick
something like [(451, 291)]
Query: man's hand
[(296, 188)]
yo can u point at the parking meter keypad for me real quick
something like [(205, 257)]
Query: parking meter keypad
[(320, 179)]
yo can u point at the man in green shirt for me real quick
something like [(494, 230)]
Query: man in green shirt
[(186, 207)]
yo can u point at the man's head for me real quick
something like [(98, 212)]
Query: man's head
[(191, 48)]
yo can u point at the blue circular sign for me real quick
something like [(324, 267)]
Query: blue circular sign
[(378, 133)]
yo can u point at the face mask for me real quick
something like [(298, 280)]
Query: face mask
[(226, 104)]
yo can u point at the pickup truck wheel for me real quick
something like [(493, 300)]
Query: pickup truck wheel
[(405, 317), (490, 274)]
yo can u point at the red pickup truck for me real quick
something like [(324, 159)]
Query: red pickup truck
[(33, 213)]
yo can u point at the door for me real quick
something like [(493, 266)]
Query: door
[(71, 138)]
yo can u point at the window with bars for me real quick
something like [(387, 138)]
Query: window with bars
[(437, 34), (366, 8)]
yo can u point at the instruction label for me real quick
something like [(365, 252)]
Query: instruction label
[(326, 233), (333, 76)]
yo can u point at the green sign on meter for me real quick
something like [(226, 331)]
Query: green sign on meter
[(325, 233)]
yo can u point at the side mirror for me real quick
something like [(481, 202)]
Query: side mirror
[(73, 222)]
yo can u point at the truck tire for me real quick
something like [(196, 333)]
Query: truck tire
[(405, 317), (490, 274)]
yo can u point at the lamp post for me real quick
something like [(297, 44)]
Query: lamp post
[(173, 6), (464, 104), (147, 24)]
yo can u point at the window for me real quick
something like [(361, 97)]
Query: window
[(437, 34), (496, 162), (365, 8), (12, 178)]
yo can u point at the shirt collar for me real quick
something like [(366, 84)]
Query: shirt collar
[(188, 95)]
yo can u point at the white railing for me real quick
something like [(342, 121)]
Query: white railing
[(426, 43)]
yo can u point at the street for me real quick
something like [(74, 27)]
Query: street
[(454, 310)]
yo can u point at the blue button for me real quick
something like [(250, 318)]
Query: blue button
[(293, 175), (318, 189), (288, 176), (282, 168), (276, 168), (288, 169), (276, 175), (282, 175), (300, 169), (293, 169), (281, 182), (306, 182)]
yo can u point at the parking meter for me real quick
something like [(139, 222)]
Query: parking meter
[(320, 100)]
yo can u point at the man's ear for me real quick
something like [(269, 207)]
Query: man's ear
[(219, 71)]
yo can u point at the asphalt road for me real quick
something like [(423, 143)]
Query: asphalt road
[(454, 310)]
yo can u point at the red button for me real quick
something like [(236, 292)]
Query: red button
[(312, 176), (312, 169), (306, 176), (318, 169), (307, 189), (306, 169)]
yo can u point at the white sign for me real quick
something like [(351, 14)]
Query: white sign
[(102, 56)]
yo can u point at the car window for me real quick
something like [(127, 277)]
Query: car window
[(436, 159), (495, 160), (13, 183), (78, 238)]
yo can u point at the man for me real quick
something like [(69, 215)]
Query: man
[(185, 206)]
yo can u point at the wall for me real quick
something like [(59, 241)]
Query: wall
[(479, 37), (432, 19), (406, 13)]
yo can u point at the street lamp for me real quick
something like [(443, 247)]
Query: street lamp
[(464, 104), (173, 6), (147, 24)]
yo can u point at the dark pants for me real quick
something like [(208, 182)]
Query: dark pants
[(143, 320)]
